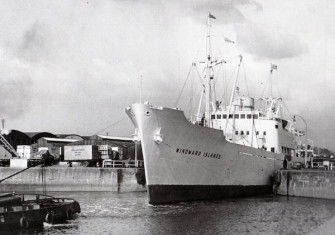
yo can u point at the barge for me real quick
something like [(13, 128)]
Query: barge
[(24, 211)]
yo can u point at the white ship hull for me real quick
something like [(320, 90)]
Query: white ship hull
[(185, 162)]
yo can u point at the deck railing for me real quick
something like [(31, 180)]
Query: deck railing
[(123, 163)]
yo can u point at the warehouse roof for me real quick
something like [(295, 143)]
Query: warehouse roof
[(70, 136), (60, 140), (15, 138), (34, 136), (117, 138)]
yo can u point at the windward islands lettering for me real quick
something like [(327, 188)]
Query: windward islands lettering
[(197, 153)]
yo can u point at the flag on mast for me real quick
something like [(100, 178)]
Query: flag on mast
[(211, 16), (274, 67), (228, 40)]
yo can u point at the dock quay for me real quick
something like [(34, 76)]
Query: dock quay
[(305, 183), (77, 179)]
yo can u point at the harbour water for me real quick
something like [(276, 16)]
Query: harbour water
[(129, 213)]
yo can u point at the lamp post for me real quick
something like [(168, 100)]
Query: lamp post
[(305, 135)]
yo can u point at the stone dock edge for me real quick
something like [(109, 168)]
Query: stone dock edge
[(78, 179)]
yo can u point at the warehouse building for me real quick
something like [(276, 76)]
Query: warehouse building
[(15, 138), (125, 146), (30, 144), (55, 146)]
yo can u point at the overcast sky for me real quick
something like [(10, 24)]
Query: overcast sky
[(73, 66)]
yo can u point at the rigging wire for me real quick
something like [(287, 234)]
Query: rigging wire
[(199, 76), (266, 85), (225, 80), (111, 125), (284, 104), (191, 97), (181, 92), (214, 90), (245, 78), (233, 93)]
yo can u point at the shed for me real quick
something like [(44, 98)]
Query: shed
[(54, 145), (126, 144)]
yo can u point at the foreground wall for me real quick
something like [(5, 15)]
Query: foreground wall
[(73, 179), (306, 183)]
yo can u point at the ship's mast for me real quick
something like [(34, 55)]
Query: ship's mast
[(209, 72), (232, 97), (208, 75)]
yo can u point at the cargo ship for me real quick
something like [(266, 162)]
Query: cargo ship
[(228, 151)]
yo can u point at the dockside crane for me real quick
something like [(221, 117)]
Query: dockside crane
[(7, 146)]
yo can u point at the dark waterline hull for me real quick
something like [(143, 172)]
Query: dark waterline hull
[(164, 194)]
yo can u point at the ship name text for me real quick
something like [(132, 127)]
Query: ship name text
[(197, 153)]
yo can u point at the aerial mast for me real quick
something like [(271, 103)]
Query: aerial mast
[(209, 71), (209, 75), (273, 67), (271, 101)]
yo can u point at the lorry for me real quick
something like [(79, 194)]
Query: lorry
[(87, 155), (43, 156)]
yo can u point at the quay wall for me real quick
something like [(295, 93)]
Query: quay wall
[(305, 183), (73, 179)]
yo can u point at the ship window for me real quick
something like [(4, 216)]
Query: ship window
[(236, 116), (236, 132), (230, 115), (276, 126), (213, 116), (218, 116), (257, 132), (224, 116), (242, 116), (273, 149), (255, 116), (242, 132), (264, 132), (247, 132), (248, 116)]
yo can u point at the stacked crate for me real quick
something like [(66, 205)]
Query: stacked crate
[(24, 151), (105, 151)]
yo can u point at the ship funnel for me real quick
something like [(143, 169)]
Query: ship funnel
[(245, 103)]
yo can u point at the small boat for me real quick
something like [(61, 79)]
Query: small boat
[(23, 211)]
